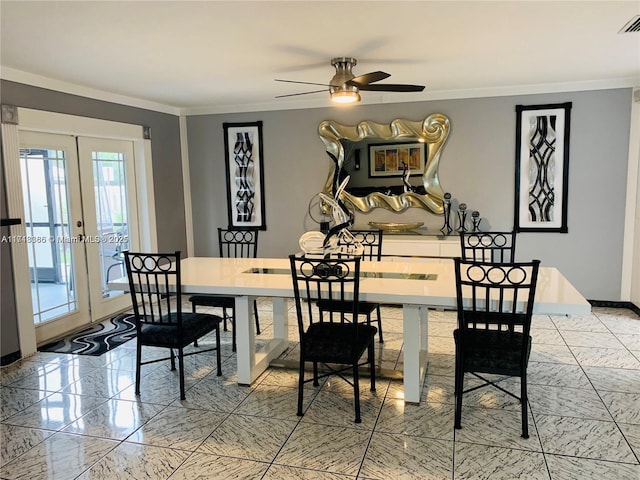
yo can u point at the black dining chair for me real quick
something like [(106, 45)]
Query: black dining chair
[(499, 247), (495, 305), (371, 241), (156, 294), (232, 243), (336, 341)]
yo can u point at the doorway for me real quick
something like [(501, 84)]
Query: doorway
[(80, 215), (18, 123)]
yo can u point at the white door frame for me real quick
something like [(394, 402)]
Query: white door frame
[(630, 285), (50, 122)]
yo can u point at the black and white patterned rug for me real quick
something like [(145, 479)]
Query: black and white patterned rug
[(97, 339)]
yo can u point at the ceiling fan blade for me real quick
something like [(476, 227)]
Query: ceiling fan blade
[(301, 68), (304, 51), (304, 83), (303, 93), (390, 61), (369, 78), (391, 87)]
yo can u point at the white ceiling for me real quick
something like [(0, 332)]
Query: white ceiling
[(223, 56)]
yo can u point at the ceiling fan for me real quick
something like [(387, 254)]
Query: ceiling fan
[(344, 87)]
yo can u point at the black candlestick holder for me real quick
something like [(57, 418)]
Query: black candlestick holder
[(462, 217), (446, 228), (475, 220)]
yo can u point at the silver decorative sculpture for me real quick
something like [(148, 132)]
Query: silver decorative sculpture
[(462, 217), (406, 173), (446, 228), (338, 240)]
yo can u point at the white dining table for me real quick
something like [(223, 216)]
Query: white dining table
[(417, 286)]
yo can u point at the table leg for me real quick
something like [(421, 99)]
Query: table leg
[(280, 319), (415, 332), (245, 339), (251, 364)]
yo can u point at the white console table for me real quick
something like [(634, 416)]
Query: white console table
[(419, 247)]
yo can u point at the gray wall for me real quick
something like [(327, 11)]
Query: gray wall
[(167, 171), (477, 167), (165, 148)]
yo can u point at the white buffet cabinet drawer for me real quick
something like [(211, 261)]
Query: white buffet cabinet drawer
[(419, 248)]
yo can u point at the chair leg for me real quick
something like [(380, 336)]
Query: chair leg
[(218, 355), (138, 367), (181, 372), (315, 374), (193, 310), (356, 392), (255, 314), (524, 400), (173, 359), (300, 386), (233, 330), (372, 366), (459, 386), (224, 317), (379, 324)]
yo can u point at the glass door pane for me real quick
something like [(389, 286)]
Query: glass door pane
[(51, 195), (109, 184), (44, 187), (108, 198)]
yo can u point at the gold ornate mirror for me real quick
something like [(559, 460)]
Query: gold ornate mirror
[(346, 144)]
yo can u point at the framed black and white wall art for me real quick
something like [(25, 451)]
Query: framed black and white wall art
[(245, 177), (542, 167)]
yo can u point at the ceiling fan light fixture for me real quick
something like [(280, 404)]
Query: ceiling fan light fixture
[(345, 88), (345, 96)]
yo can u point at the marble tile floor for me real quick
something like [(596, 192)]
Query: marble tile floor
[(76, 417)]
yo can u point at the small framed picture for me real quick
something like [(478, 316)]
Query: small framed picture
[(392, 159)]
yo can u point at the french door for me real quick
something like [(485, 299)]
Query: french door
[(79, 203), (57, 265), (110, 219)]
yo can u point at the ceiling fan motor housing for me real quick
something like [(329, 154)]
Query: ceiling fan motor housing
[(343, 74)]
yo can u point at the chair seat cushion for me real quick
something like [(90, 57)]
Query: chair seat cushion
[(333, 342), (212, 301), (165, 334), (364, 308), (492, 351)]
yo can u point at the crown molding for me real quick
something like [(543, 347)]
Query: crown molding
[(429, 95), (317, 102), (34, 80)]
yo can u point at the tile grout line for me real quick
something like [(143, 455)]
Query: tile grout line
[(598, 394), (376, 424), (373, 430)]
